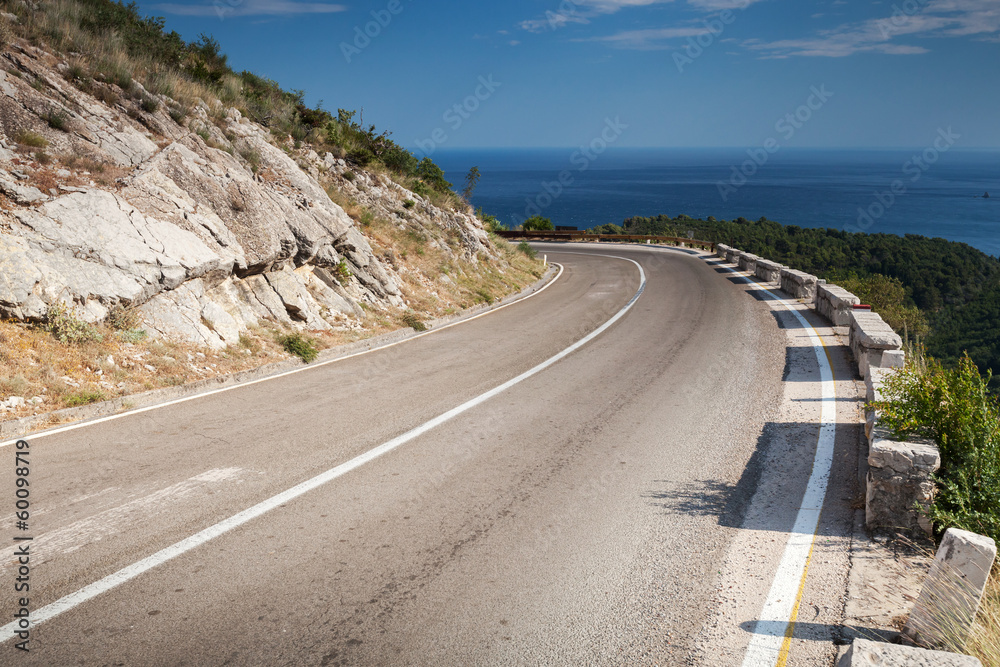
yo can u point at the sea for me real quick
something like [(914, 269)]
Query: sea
[(926, 191)]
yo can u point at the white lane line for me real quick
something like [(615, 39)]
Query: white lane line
[(111, 581), (121, 415), (772, 632)]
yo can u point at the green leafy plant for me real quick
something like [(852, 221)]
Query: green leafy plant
[(300, 346), (411, 320), (342, 273), (149, 104), (64, 324), (29, 138), (409, 203), (84, 397), (527, 250), (952, 407), (56, 119), (537, 223)]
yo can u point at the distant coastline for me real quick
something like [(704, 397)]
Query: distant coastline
[(839, 189)]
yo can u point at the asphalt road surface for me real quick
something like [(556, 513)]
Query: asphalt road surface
[(586, 515)]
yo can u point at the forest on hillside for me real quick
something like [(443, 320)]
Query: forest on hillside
[(955, 286)]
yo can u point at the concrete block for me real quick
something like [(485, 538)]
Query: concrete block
[(748, 262), (869, 338), (799, 284), (835, 304), (893, 359), (899, 487), (946, 609), (865, 653), (721, 250), (768, 271)]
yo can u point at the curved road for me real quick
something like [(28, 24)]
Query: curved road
[(581, 516)]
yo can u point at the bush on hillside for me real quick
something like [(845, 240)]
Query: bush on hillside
[(954, 408)]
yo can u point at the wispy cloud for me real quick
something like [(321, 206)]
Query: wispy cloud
[(233, 8), (649, 40), (979, 19), (582, 11)]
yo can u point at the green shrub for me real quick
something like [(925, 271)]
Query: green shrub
[(252, 156), (349, 175), (150, 104), (63, 323), (178, 113), (411, 320), (56, 119), (954, 408), (85, 397), (342, 272), (29, 138), (537, 223), (300, 346), (527, 250), (409, 203)]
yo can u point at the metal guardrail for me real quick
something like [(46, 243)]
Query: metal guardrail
[(583, 236)]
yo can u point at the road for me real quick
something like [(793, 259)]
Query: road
[(588, 514)]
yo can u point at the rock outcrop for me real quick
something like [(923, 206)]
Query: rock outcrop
[(207, 227)]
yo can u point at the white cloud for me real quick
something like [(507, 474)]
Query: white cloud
[(647, 40), (231, 8), (581, 11), (939, 18)]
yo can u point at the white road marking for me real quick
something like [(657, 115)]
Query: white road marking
[(111, 581), (780, 608), (72, 427)]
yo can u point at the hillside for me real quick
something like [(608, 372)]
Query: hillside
[(955, 286), (145, 218)]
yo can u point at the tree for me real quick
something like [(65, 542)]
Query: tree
[(471, 181), (537, 223)]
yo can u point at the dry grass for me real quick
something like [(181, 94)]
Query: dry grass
[(35, 364), (984, 642)]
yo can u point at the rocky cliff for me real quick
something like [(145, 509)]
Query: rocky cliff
[(206, 223)]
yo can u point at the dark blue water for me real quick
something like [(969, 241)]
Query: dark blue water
[(941, 195)]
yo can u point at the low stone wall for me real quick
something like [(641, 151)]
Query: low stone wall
[(899, 486), (768, 271), (866, 653), (748, 262), (874, 343), (721, 250), (733, 255), (835, 304), (799, 284)]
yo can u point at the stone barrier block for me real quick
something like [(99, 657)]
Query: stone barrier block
[(748, 262), (733, 255), (870, 338), (799, 284), (899, 485), (865, 653), (949, 601), (721, 250), (768, 271), (835, 304)]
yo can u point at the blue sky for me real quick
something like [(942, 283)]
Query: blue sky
[(666, 73)]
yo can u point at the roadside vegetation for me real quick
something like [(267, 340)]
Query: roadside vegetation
[(941, 293), (112, 47)]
